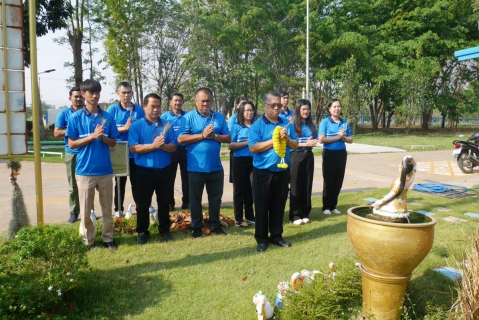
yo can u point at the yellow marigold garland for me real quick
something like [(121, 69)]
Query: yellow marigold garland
[(279, 146)]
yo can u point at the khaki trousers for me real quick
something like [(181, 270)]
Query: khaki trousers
[(86, 194)]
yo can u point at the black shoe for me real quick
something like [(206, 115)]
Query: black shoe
[(185, 206), (90, 247), (219, 232), (110, 245), (196, 233), (142, 238), (172, 207), (282, 243), (73, 217), (167, 236), (262, 247)]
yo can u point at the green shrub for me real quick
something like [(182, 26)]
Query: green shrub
[(325, 297), (38, 270)]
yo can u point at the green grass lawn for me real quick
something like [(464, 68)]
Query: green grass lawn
[(417, 140), (216, 277)]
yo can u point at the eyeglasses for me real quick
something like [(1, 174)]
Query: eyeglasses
[(278, 105)]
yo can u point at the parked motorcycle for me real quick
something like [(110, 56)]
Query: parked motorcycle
[(467, 153)]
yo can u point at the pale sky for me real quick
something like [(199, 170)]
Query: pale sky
[(53, 86)]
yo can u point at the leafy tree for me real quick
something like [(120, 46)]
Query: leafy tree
[(52, 15)]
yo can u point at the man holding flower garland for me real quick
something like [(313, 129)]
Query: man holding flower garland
[(270, 176)]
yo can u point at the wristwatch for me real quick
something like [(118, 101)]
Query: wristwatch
[(216, 136)]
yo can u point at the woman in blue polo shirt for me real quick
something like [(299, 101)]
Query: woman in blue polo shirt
[(333, 133), (302, 163), (242, 164)]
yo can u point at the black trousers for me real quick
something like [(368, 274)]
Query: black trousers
[(270, 192), (334, 166), (214, 182), (301, 185), (150, 181), (179, 158), (123, 184), (242, 189)]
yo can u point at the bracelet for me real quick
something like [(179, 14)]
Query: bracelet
[(102, 137)]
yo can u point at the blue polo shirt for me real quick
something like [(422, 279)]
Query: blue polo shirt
[(62, 123), (262, 130), (329, 128), (287, 114), (204, 155), (176, 121), (121, 116), (93, 159), (306, 134), (232, 121), (144, 131), (240, 133)]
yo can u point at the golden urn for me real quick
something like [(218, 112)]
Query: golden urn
[(388, 253)]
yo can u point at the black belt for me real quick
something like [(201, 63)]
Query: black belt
[(154, 169)]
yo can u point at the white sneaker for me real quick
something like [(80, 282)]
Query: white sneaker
[(327, 211), (298, 222), (306, 220), (336, 211), (117, 214)]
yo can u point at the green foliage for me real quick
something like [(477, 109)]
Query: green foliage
[(38, 270), (327, 297)]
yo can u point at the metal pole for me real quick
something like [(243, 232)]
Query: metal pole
[(307, 50), (32, 17)]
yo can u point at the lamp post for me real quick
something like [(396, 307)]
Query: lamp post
[(40, 118)]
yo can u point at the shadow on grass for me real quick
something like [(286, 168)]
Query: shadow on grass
[(119, 292), (430, 293)]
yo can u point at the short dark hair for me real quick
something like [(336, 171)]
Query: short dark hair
[(73, 89), (124, 84), (284, 93), (204, 89), (239, 99), (240, 112), (179, 94), (90, 85), (270, 94), (150, 95)]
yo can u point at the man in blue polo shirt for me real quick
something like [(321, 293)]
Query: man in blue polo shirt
[(177, 120), (285, 113), (270, 183), (151, 144), (125, 113), (92, 131), (61, 125), (204, 132)]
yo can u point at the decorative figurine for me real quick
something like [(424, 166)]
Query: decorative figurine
[(393, 205), (283, 288), (263, 307)]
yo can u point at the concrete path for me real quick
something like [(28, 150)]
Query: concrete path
[(365, 171)]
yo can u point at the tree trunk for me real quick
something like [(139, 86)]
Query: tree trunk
[(390, 117), (76, 40), (443, 121), (426, 117), (40, 117)]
